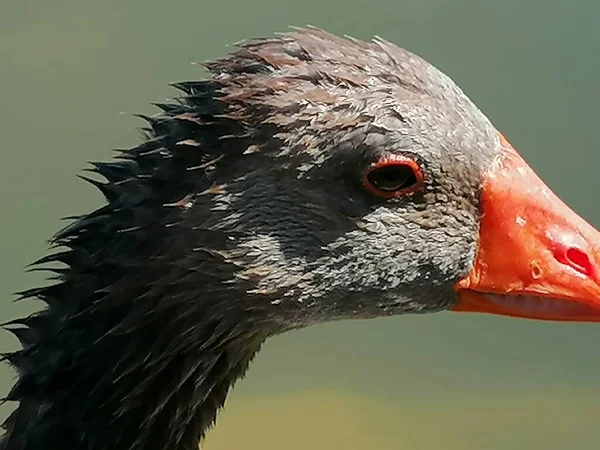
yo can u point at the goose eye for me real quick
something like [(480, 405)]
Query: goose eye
[(393, 176)]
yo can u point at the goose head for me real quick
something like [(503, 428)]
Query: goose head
[(310, 178)]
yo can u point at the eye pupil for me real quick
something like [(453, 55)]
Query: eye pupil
[(392, 178)]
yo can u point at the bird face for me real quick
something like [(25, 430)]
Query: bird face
[(371, 185)]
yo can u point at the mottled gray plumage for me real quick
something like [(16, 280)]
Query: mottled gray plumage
[(242, 215)]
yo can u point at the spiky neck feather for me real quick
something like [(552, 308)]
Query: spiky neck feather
[(140, 340)]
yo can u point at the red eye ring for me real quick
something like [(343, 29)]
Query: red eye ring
[(393, 176)]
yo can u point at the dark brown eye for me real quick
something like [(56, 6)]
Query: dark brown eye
[(392, 176)]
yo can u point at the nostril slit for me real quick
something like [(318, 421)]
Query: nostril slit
[(579, 260)]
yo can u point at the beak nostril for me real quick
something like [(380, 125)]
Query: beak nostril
[(579, 260)]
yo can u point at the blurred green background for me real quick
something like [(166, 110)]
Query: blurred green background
[(70, 68)]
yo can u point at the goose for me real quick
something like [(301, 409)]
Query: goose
[(308, 178)]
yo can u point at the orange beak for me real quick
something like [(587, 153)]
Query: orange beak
[(537, 259)]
